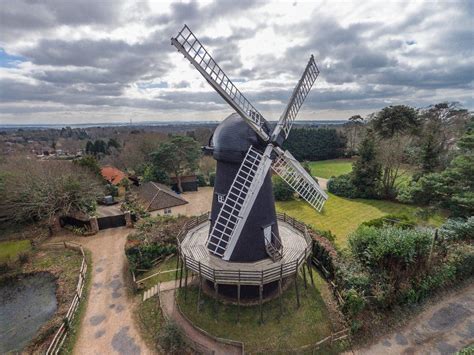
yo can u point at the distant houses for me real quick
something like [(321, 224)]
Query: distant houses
[(115, 177)]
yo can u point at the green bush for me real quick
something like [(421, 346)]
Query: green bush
[(144, 256), (281, 190), (396, 220), (171, 339), (407, 192), (351, 275), (458, 229), (461, 257), (389, 248), (354, 302), (342, 186), (212, 178), (201, 180)]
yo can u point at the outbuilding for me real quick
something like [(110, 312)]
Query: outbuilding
[(158, 199)]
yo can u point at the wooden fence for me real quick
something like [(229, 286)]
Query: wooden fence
[(61, 333), (247, 277)]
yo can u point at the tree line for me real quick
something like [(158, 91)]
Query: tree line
[(414, 156)]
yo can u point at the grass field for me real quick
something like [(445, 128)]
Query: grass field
[(294, 328), (167, 265), (328, 168), (342, 216), (11, 249)]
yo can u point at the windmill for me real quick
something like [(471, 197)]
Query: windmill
[(243, 224)]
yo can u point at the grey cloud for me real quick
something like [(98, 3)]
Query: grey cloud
[(22, 17)]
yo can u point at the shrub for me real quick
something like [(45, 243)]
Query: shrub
[(407, 192), (342, 186), (396, 220), (201, 180), (212, 178), (461, 257), (24, 257), (171, 339), (458, 229), (281, 190), (389, 248), (145, 256), (354, 302)]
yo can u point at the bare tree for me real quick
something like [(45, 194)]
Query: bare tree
[(352, 131), (41, 191)]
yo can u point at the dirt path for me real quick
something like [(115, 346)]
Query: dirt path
[(323, 183), (168, 304), (443, 328), (108, 326)]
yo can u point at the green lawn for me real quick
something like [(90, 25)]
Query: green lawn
[(342, 216), (294, 328), (328, 168), (11, 249), (167, 265)]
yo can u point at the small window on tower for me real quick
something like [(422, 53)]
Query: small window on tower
[(220, 198)]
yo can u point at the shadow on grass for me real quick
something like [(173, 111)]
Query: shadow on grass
[(293, 328)]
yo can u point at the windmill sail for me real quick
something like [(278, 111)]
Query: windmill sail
[(238, 202), (298, 178), (187, 43), (297, 98)]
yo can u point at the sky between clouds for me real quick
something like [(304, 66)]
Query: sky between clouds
[(65, 61)]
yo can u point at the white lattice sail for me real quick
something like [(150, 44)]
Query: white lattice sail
[(290, 170)]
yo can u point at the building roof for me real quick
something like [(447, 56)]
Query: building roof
[(156, 196), (113, 175), (186, 178)]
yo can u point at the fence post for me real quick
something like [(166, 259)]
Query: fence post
[(181, 274), (304, 272), (200, 287), (279, 289), (261, 298), (215, 293), (308, 265), (435, 238), (185, 278), (296, 284), (238, 299), (177, 264)]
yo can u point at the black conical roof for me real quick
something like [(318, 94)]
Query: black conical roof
[(232, 138)]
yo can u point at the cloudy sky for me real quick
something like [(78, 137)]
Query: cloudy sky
[(77, 61)]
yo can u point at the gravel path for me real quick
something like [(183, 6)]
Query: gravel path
[(108, 326), (443, 328), (169, 307)]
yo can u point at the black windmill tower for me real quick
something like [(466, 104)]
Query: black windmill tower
[(243, 219)]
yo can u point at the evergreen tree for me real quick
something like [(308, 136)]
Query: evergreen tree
[(178, 155), (429, 155), (454, 187), (366, 170), (89, 147)]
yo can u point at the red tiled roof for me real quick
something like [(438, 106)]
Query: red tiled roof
[(113, 175)]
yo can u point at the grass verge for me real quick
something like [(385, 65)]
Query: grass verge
[(150, 320), (10, 250), (342, 216), (295, 328), (167, 265), (75, 325)]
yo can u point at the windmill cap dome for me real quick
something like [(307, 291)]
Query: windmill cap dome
[(232, 138)]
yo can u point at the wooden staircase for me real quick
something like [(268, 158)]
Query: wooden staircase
[(273, 252)]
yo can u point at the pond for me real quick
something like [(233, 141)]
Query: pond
[(26, 303)]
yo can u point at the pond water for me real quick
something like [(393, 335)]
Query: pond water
[(26, 303)]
